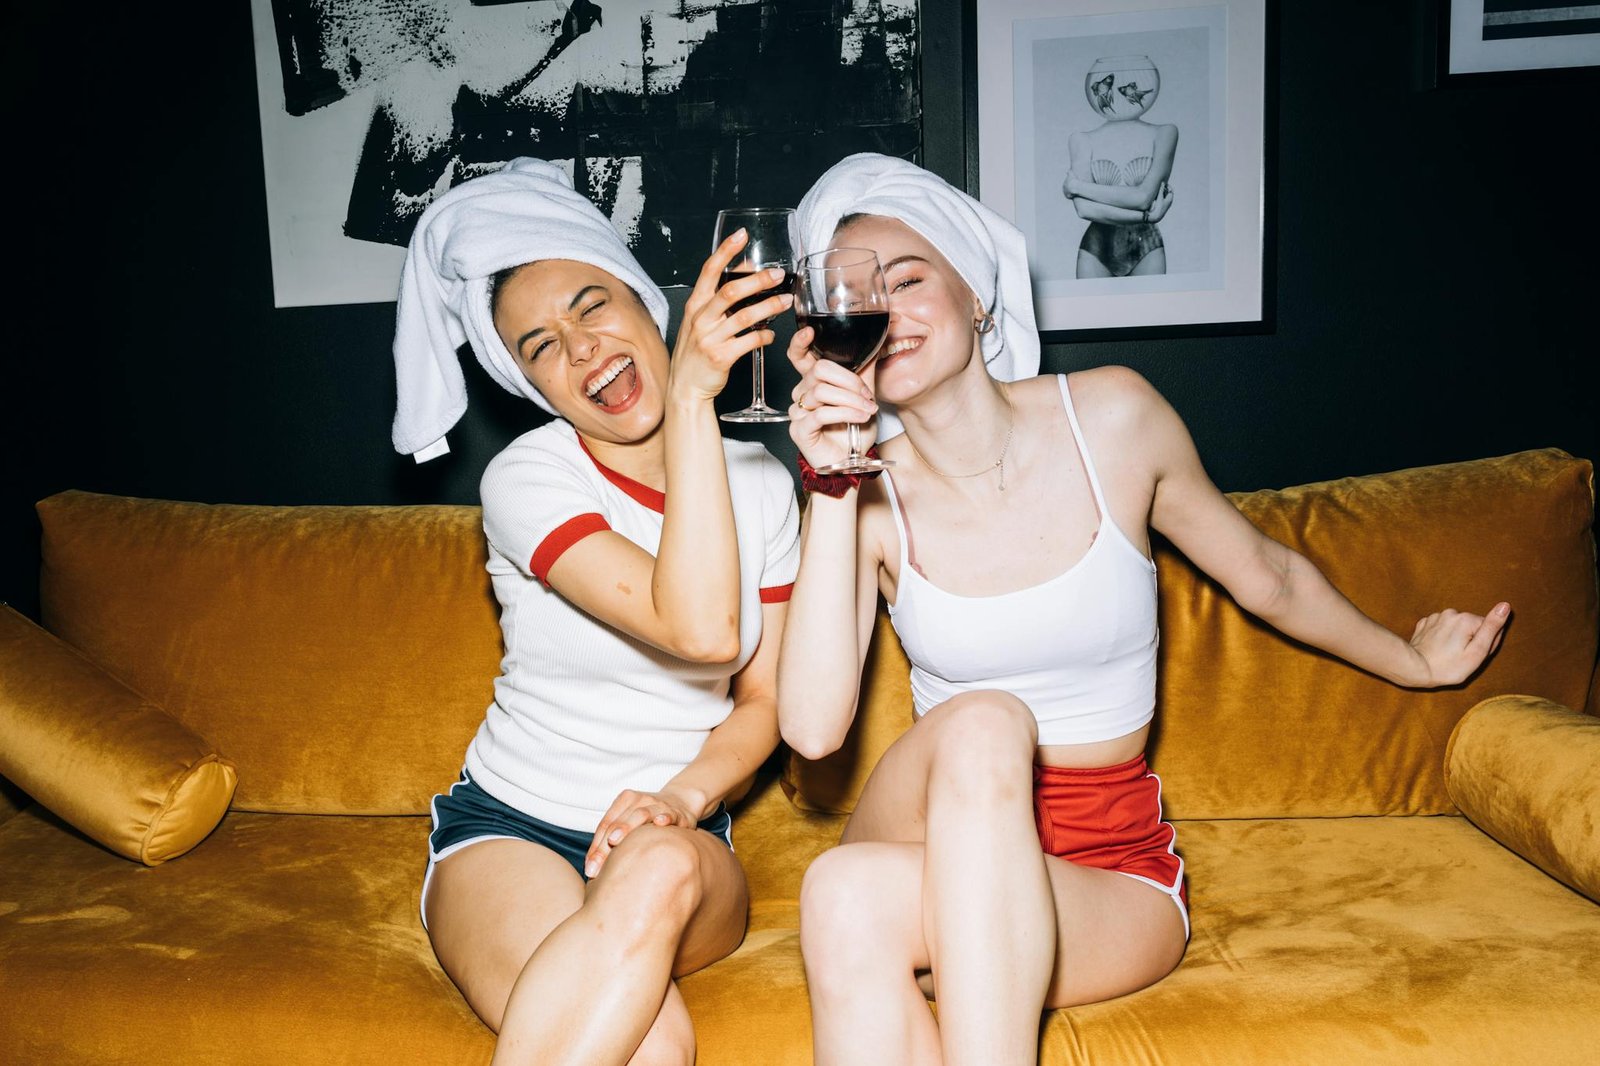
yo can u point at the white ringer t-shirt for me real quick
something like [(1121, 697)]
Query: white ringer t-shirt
[(581, 710)]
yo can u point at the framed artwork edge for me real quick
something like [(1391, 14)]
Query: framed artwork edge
[(1433, 19), (1265, 320)]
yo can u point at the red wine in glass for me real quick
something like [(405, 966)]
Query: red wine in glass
[(850, 338), (786, 285), (841, 296)]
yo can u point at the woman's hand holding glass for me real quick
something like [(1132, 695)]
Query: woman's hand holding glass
[(710, 340), (842, 307), (828, 399)]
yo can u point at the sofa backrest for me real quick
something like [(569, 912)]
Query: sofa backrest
[(1251, 724), (341, 656)]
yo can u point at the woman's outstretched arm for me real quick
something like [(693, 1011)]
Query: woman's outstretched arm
[(1278, 584)]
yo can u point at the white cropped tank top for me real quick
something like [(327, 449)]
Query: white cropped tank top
[(1078, 649)]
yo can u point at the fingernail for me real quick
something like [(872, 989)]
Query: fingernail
[(590, 869), (614, 836)]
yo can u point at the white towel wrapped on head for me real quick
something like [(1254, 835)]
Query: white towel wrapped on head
[(987, 251), (522, 213)]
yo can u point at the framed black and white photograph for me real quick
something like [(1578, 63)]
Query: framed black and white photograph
[(663, 111), (1128, 141), (1481, 37)]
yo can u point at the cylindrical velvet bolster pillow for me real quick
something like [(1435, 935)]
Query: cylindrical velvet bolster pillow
[(104, 759), (1527, 772)]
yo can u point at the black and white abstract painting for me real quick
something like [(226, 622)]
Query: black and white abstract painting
[(1487, 36), (664, 111), (1125, 139)]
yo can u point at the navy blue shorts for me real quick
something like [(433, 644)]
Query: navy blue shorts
[(467, 814)]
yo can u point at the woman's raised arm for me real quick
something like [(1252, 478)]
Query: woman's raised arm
[(685, 599), (835, 596)]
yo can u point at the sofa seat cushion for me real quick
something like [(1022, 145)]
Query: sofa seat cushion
[(1373, 940), (281, 939)]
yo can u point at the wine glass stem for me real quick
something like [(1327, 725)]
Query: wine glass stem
[(855, 443), (758, 378)]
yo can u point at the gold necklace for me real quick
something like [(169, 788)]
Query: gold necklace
[(998, 464)]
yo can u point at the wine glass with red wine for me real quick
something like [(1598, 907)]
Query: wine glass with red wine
[(841, 296), (774, 242)]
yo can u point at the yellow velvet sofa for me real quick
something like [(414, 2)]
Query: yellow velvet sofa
[(224, 737)]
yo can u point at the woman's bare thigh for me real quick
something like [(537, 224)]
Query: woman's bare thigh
[(1114, 935), (489, 906)]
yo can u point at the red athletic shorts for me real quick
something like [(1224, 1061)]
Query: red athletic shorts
[(1109, 818)]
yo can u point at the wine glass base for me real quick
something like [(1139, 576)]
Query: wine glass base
[(755, 413), (859, 466)]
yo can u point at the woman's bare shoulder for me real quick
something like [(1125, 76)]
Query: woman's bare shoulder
[(1112, 387)]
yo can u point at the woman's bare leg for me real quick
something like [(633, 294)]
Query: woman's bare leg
[(866, 954), (1099, 934), (863, 948), (595, 981), (962, 780)]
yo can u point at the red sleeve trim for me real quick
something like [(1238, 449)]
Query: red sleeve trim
[(560, 539), (777, 593)]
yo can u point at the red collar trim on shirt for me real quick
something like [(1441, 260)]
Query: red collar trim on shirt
[(656, 501)]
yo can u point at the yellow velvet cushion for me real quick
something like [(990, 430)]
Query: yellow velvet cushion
[(1527, 772), (1252, 724), (341, 656), (103, 758)]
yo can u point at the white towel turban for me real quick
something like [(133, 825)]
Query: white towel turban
[(987, 251), (524, 212)]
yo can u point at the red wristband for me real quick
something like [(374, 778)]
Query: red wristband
[(834, 485)]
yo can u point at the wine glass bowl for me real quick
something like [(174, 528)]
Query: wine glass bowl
[(840, 294), (774, 241)]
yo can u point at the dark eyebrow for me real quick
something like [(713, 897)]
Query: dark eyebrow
[(897, 260), (576, 300)]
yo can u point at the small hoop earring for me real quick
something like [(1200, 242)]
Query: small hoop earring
[(985, 325)]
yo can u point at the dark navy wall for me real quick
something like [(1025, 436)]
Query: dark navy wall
[(1435, 278)]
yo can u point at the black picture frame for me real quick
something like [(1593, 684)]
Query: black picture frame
[(942, 22), (1435, 20)]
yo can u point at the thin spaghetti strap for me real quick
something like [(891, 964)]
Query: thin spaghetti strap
[(907, 558), (1083, 447)]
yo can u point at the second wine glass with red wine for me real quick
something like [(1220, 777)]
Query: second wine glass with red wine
[(841, 296), (774, 242)]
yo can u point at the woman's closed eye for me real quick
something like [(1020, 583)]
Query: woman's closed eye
[(540, 348), (905, 283), (587, 311)]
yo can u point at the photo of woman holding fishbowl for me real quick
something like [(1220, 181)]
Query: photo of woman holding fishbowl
[(1120, 170)]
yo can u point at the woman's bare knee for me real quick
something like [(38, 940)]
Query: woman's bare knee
[(843, 930), (986, 729), (652, 880)]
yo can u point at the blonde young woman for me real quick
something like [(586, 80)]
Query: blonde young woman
[(584, 858), (1008, 852)]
